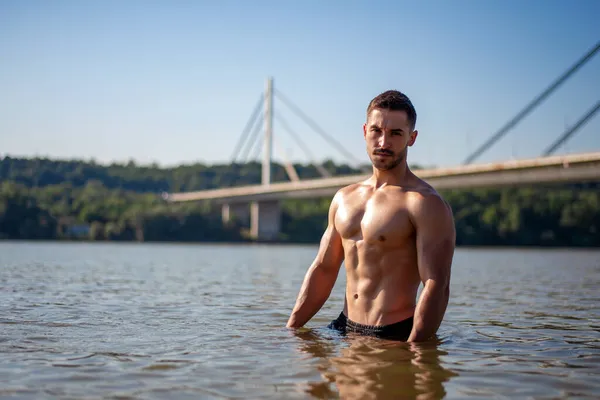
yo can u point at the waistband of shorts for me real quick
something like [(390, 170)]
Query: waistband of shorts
[(368, 328)]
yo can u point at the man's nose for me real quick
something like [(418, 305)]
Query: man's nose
[(384, 140)]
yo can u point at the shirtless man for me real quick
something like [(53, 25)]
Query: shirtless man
[(393, 232)]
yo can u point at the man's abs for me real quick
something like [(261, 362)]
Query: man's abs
[(381, 285)]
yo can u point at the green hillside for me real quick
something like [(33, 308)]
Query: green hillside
[(80, 200)]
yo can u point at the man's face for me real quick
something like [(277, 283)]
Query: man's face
[(388, 135)]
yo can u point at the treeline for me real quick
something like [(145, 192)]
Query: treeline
[(42, 172), (72, 199), (94, 212), (45, 199)]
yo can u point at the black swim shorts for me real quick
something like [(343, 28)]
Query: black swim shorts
[(396, 331)]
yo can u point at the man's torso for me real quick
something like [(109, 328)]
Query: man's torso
[(380, 252)]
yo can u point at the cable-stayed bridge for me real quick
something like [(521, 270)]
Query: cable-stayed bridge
[(258, 205)]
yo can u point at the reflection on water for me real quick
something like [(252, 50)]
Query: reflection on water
[(367, 368), (208, 321)]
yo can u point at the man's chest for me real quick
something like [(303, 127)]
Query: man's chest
[(374, 219)]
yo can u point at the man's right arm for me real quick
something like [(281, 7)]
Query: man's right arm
[(321, 275)]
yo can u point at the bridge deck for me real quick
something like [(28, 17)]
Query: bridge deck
[(565, 168)]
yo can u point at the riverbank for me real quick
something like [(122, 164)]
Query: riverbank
[(42, 199)]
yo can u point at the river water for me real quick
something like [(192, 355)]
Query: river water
[(150, 321)]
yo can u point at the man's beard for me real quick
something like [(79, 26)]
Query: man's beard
[(388, 163)]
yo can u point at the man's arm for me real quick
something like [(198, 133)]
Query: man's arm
[(321, 275), (436, 239)]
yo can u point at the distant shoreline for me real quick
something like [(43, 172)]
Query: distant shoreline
[(282, 243), (77, 201)]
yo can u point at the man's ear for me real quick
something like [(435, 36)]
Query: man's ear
[(365, 130), (413, 137)]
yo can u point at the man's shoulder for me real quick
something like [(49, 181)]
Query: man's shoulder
[(432, 216), (424, 199), (346, 194), (348, 190)]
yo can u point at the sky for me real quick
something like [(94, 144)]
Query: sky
[(175, 82)]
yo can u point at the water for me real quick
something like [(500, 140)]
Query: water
[(208, 321)]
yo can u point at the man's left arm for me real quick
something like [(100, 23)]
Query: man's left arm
[(435, 240)]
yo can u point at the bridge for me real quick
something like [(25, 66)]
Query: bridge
[(260, 204)]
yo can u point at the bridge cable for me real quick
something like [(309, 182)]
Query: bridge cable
[(314, 125), (289, 168), (513, 122), (257, 144), (296, 137), (247, 128), (572, 130), (253, 140)]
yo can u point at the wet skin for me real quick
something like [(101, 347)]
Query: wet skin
[(393, 232)]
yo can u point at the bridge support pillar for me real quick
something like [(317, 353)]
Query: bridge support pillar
[(239, 212), (265, 219)]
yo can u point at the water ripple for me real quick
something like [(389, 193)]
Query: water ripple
[(175, 321)]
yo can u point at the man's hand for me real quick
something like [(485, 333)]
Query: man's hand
[(436, 239)]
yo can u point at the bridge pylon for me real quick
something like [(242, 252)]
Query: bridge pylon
[(268, 138)]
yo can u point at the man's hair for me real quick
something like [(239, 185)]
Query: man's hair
[(394, 100)]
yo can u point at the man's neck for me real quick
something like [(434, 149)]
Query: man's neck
[(396, 176)]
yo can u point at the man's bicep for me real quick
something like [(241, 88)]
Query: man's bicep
[(436, 239)]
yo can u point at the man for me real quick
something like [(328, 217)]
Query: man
[(393, 232)]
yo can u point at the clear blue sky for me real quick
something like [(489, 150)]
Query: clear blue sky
[(176, 81)]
